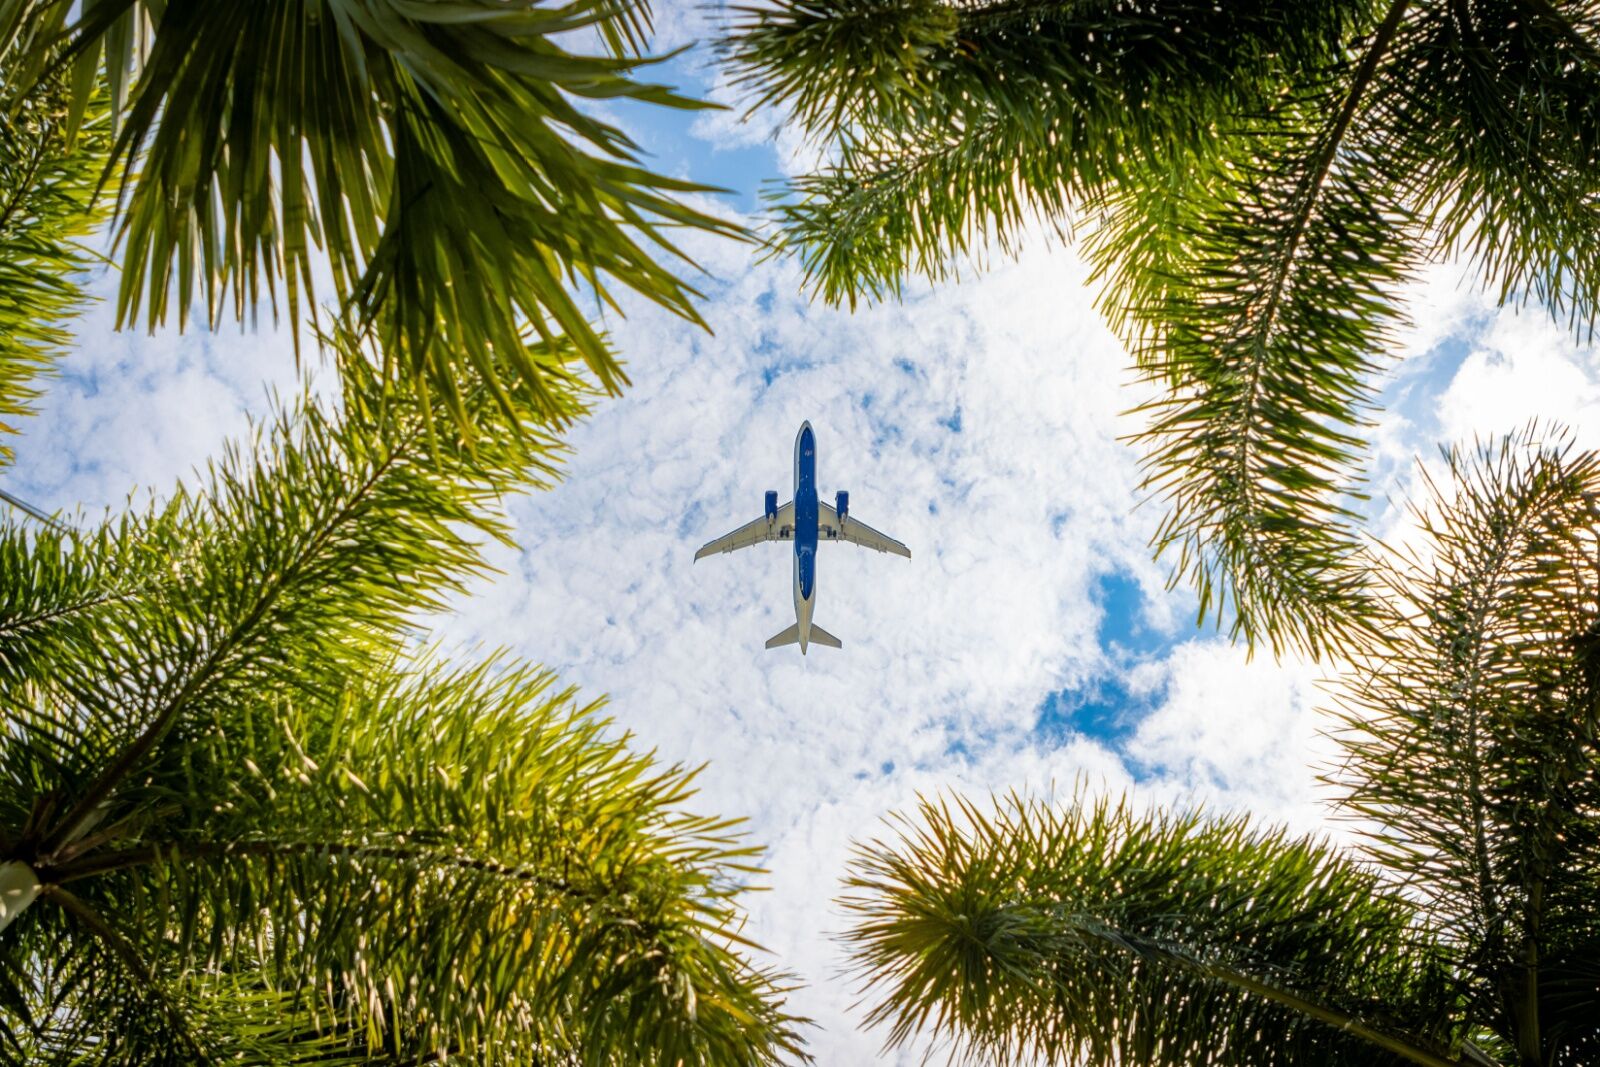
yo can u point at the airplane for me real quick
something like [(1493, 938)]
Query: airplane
[(807, 522)]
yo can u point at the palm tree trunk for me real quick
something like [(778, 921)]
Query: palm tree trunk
[(19, 887)]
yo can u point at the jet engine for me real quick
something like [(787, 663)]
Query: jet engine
[(772, 506), (841, 504)]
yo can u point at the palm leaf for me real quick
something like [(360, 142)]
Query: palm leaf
[(47, 182), (1090, 934), (1473, 736), (440, 159)]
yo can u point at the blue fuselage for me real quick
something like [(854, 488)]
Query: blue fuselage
[(805, 528)]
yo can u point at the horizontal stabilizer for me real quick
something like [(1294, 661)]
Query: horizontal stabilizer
[(791, 636), (819, 636)]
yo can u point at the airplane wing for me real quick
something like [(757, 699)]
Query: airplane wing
[(855, 531), (753, 533)]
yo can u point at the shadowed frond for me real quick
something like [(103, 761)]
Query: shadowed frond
[(1473, 734)]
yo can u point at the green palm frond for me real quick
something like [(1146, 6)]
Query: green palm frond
[(1473, 734), (242, 794), (956, 123), (96, 1001), (1255, 182), (1090, 934), (47, 181), (445, 160), (1264, 342), (443, 861), (1503, 136)]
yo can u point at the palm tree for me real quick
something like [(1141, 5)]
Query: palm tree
[(446, 164), (1465, 931), (245, 817), (1253, 182)]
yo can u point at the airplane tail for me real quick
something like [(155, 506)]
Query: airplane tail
[(791, 636), (819, 636)]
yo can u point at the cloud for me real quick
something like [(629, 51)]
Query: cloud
[(977, 423), (135, 411)]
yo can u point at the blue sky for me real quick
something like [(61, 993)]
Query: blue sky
[(1030, 643)]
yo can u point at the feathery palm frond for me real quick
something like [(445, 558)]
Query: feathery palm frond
[(1473, 734), (243, 797), (1254, 182), (47, 181), (1090, 934), (447, 160)]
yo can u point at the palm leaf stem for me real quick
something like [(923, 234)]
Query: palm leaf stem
[(1313, 1009), (19, 623), (103, 786), (25, 184), (28, 509), (125, 953), (1530, 1045), (1302, 217)]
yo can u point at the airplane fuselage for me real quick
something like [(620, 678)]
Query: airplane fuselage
[(805, 530)]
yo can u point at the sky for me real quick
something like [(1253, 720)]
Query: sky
[(1030, 643)]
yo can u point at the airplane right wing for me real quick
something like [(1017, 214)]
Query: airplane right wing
[(856, 532), (753, 533)]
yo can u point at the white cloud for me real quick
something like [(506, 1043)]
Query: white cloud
[(1235, 734), (134, 411)]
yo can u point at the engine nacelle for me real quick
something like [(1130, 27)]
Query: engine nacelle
[(772, 506), (841, 504)]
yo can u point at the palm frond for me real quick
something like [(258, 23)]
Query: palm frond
[(1263, 339), (958, 123), (48, 177), (1473, 733), (442, 159), (1089, 934), (1502, 138), (481, 810)]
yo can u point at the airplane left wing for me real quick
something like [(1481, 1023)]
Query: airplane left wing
[(855, 531), (753, 533)]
